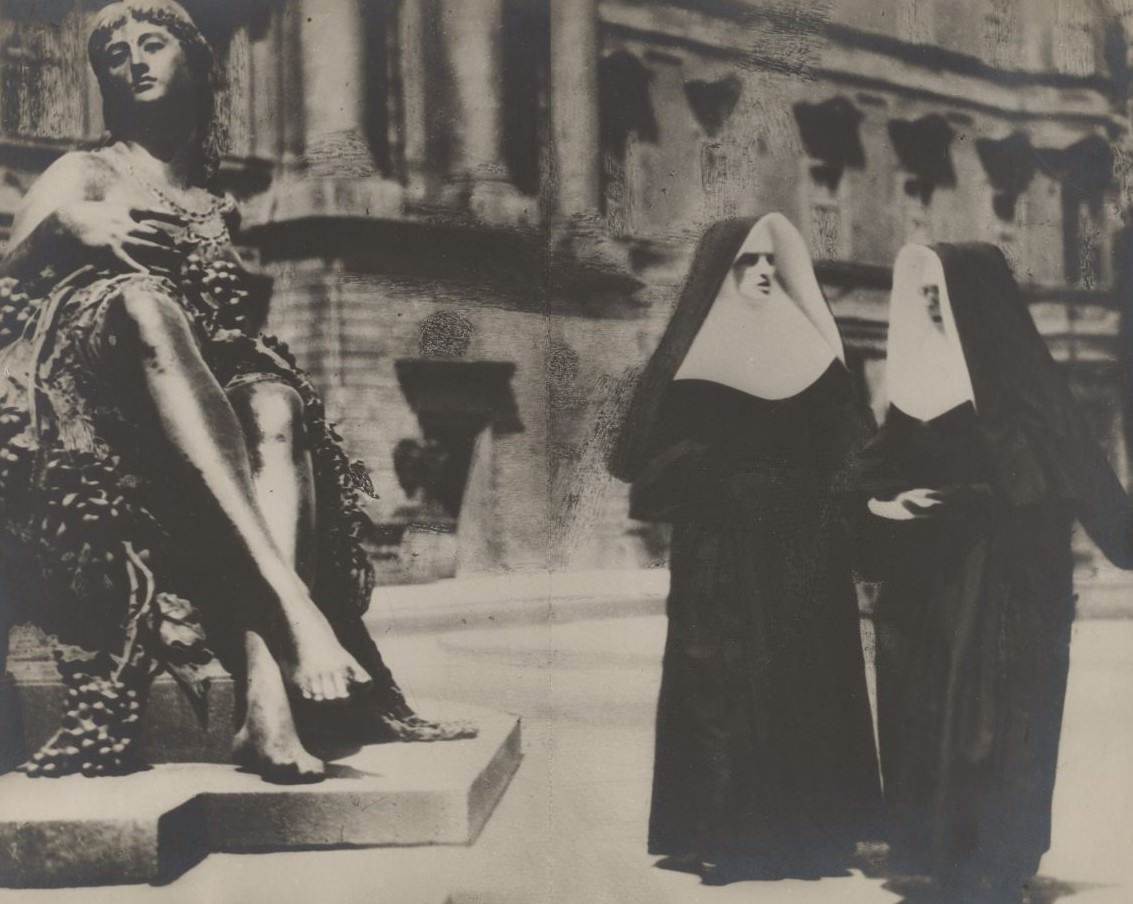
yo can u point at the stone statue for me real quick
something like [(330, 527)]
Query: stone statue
[(170, 487)]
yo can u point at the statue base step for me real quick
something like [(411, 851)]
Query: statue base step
[(153, 825), (33, 698)]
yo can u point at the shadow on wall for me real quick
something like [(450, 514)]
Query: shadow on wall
[(447, 523)]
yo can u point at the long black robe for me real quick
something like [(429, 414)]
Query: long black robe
[(976, 606), (764, 753), (765, 759)]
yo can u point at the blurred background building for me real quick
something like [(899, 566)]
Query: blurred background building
[(478, 212)]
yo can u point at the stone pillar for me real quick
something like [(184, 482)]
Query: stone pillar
[(334, 87), (471, 30), (581, 244), (290, 84), (414, 95), (574, 105), (472, 40), (266, 50)]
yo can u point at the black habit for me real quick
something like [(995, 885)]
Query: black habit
[(975, 609), (765, 758)]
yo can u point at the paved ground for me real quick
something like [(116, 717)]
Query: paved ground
[(571, 828)]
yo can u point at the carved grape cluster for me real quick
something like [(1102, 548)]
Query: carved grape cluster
[(93, 531), (16, 308), (83, 497), (99, 733), (16, 458), (217, 292)]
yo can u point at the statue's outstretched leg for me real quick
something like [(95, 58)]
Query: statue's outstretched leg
[(271, 415), (160, 370), (268, 412)]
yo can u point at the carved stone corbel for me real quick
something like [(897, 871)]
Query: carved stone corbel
[(924, 150), (1010, 164), (830, 134)]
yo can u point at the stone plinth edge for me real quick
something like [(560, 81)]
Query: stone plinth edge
[(153, 825)]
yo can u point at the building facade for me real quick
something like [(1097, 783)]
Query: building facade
[(478, 212)]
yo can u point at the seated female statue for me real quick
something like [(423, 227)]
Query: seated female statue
[(170, 488)]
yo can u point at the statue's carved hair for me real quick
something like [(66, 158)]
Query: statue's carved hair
[(202, 67)]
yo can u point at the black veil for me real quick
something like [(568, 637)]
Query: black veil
[(711, 265), (1040, 445)]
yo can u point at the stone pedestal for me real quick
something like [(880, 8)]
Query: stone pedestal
[(32, 702), (153, 825), (12, 751)]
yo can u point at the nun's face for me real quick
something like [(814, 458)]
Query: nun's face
[(931, 295), (755, 273)]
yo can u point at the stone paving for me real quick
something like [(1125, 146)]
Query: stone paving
[(571, 828)]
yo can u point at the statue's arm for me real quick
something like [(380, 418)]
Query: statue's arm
[(68, 221), (41, 234)]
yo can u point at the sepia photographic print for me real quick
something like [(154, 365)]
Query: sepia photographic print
[(566, 451)]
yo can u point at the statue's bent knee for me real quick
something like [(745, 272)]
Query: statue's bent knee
[(145, 316), (269, 409)]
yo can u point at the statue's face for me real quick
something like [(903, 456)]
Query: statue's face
[(145, 63), (755, 272), (931, 295)]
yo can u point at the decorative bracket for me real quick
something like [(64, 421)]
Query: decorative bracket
[(829, 133), (1085, 166), (924, 149), (1010, 164), (712, 103)]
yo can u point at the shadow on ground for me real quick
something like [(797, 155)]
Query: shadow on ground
[(1040, 890)]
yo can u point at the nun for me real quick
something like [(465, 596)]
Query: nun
[(737, 436), (965, 501)]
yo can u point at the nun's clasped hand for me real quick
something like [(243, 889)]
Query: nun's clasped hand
[(911, 505)]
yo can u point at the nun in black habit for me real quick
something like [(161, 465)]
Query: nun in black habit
[(738, 433), (966, 498)]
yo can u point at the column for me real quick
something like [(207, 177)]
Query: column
[(414, 94), (266, 108), (472, 40), (471, 29), (334, 87), (574, 104), (289, 83)]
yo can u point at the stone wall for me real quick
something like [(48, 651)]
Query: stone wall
[(538, 171)]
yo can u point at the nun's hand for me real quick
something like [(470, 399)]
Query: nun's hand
[(911, 505)]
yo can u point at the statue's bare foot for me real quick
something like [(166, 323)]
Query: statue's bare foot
[(275, 757), (318, 668), (267, 742)]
